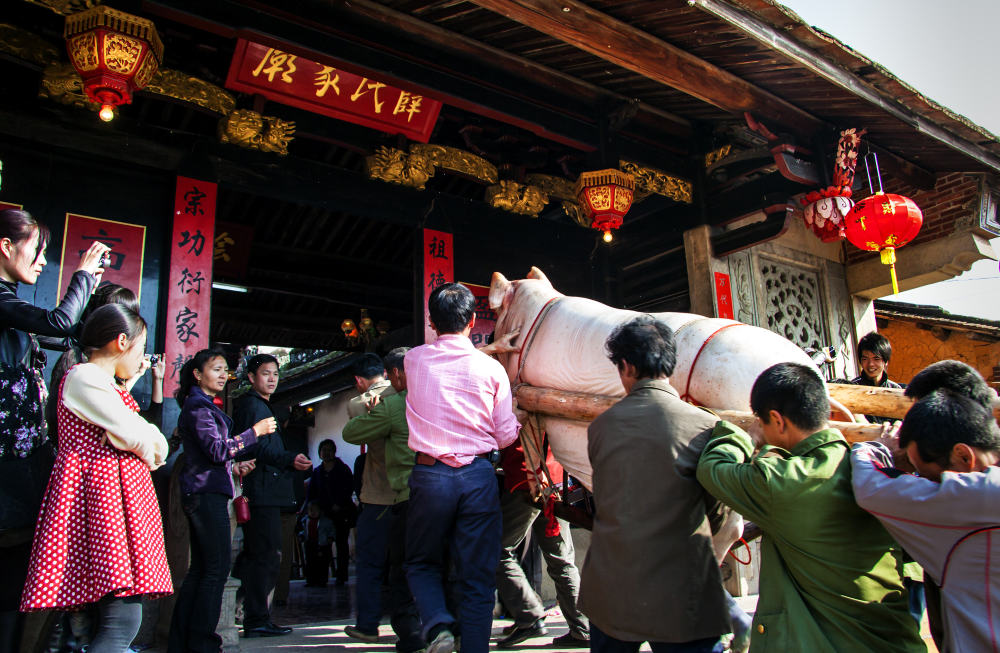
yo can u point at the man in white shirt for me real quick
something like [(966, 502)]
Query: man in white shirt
[(947, 517)]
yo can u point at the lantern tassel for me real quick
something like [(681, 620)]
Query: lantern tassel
[(888, 256)]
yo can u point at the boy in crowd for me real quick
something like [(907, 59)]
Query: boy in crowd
[(830, 578), (874, 352)]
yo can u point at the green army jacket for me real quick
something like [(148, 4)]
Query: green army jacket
[(830, 576), (387, 421)]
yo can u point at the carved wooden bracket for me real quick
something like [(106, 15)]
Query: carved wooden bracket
[(656, 181), (517, 198), (253, 131)]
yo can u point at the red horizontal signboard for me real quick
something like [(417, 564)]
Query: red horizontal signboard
[(331, 91), (127, 243)]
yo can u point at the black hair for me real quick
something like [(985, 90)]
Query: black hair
[(326, 442), (196, 362), (451, 306), (19, 225), (942, 419), (877, 344), (645, 342), (394, 359), (106, 323), (110, 293), (255, 362), (368, 366), (795, 391), (951, 375)]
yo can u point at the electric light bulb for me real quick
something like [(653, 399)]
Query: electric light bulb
[(107, 113), (608, 237)]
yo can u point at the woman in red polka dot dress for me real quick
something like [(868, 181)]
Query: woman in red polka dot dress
[(99, 538)]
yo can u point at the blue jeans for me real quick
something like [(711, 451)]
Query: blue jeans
[(454, 511), (118, 624), (372, 547), (601, 642), (199, 601)]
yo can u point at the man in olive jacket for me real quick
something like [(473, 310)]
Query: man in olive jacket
[(830, 573), (269, 487), (650, 574)]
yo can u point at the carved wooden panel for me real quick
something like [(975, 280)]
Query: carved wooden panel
[(793, 302), (742, 279)]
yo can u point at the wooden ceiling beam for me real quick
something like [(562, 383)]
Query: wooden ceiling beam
[(622, 44)]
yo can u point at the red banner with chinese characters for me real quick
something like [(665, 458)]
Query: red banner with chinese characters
[(127, 243), (189, 295), (331, 91), (439, 269), (486, 317), (723, 295), (7, 205)]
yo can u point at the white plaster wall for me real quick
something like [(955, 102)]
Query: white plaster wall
[(330, 416)]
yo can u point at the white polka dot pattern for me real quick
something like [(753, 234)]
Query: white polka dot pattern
[(99, 531)]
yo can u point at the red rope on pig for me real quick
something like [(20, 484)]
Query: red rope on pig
[(749, 553), (530, 336), (687, 388)]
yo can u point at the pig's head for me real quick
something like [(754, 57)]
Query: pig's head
[(517, 303)]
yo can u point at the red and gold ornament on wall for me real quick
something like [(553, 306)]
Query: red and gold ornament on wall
[(606, 196), (824, 210), (883, 223), (114, 52)]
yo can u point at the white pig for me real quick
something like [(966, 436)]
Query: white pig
[(563, 348)]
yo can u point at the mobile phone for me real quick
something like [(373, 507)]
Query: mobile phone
[(153, 360), (106, 259)]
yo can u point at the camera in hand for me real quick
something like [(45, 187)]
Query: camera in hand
[(153, 360), (106, 259)]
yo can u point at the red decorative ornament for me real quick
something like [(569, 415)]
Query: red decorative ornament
[(883, 223), (824, 210), (114, 52), (606, 196)]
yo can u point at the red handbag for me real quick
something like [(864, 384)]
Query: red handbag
[(241, 505)]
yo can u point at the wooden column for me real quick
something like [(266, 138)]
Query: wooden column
[(698, 252)]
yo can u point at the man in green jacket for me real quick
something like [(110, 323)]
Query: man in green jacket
[(830, 573), (385, 422)]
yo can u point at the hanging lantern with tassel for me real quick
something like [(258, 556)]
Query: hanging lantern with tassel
[(114, 52), (606, 196), (883, 223)]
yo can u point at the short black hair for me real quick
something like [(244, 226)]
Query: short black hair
[(255, 362), (645, 342), (942, 419), (956, 376), (327, 442), (451, 306), (394, 359), (796, 391), (368, 366), (877, 344)]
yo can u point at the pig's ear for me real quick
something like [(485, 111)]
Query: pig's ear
[(535, 273), (501, 291)]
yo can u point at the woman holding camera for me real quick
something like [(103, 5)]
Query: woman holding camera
[(25, 453), (99, 539), (207, 488)]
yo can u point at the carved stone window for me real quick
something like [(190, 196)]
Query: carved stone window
[(793, 303)]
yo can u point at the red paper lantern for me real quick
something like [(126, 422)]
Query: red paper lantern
[(606, 196), (114, 52), (882, 223)]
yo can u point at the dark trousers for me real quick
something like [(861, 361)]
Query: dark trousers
[(118, 624), (342, 531), (374, 524), (520, 514), (199, 601), (15, 564), (318, 558), (260, 564), (405, 620), (454, 510), (603, 643)]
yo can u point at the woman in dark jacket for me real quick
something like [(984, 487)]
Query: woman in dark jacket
[(206, 489), (25, 453)]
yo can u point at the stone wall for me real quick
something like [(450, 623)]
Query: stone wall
[(914, 348)]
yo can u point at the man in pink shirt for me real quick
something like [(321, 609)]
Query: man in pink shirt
[(459, 412)]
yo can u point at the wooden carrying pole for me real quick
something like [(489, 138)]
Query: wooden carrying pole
[(860, 399)]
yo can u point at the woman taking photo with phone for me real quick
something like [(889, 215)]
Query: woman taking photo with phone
[(206, 489), (25, 454), (99, 538)]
